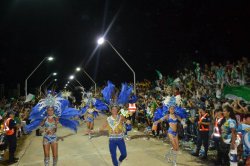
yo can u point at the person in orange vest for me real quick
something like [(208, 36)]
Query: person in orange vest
[(216, 135), (203, 131), (10, 131)]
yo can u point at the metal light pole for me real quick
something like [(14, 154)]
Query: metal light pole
[(73, 78), (78, 69), (101, 41), (26, 80), (40, 88)]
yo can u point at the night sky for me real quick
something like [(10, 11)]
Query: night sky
[(151, 34)]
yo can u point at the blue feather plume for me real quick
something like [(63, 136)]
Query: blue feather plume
[(123, 97), (83, 110), (71, 124), (108, 91), (36, 113), (69, 113), (133, 99), (181, 112), (158, 114), (100, 105), (95, 113), (64, 104), (33, 125)]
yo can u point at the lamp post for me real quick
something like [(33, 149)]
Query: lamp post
[(40, 88), (67, 85), (72, 77), (26, 80), (79, 69), (101, 41)]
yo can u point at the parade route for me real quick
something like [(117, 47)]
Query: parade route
[(78, 150)]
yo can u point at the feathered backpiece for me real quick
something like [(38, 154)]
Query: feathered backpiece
[(65, 94), (108, 91), (61, 110), (167, 103), (114, 99), (124, 95)]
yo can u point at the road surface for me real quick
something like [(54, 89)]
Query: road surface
[(78, 150)]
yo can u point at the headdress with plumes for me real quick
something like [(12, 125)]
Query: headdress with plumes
[(97, 103), (65, 94), (61, 110), (88, 100), (112, 99), (108, 91), (167, 103)]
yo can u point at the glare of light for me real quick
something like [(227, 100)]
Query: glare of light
[(68, 82), (55, 80), (78, 69), (100, 41), (54, 74), (71, 77), (50, 58)]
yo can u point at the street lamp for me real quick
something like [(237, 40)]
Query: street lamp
[(67, 85), (79, 69), (40, 88), (72, 77), (101, 40), (50, 58)]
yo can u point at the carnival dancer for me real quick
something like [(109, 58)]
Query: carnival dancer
[(90, 112), (173, 115), (115, 122), (116, 131), (46, 115)]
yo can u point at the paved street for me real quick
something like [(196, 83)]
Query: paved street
[(78, 150)]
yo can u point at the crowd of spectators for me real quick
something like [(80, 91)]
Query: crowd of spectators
[(199, 84), (21, 109)]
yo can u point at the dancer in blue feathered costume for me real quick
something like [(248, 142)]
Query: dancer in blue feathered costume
[(90, 112), (116, 124), (172, 114), (46, 115)]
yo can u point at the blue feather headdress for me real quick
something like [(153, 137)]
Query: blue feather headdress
[(61, 110), (114, 100), (167, 103)]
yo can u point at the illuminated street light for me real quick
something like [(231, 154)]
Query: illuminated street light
[(40, 88), (71, 77), (78, 69), (101, 40), (50, 58), (26, 80)]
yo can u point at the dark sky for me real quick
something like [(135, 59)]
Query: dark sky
[(151, 34)]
